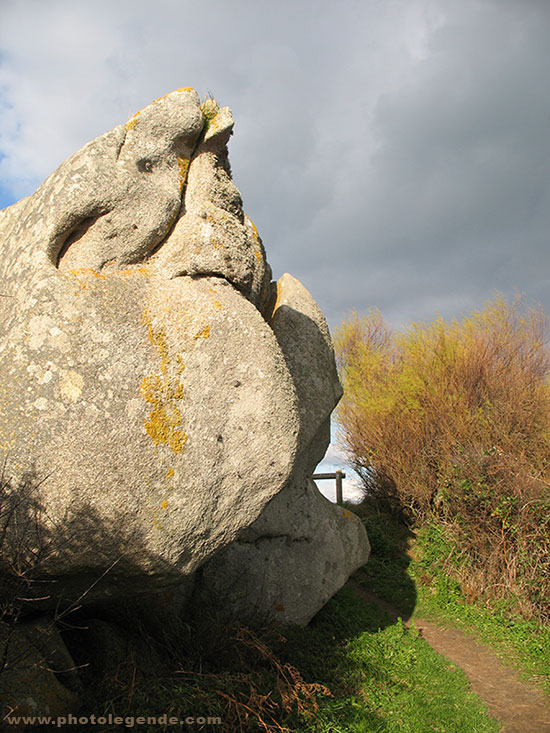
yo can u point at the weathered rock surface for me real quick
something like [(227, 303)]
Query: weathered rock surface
[(286, 566), (155, 393), (301, 549)]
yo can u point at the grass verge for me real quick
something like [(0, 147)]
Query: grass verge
[(422, 574), (352, 669)]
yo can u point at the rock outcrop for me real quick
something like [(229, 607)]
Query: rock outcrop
[(162, 403)]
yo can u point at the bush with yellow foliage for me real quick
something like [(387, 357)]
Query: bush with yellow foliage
[(451, 422)]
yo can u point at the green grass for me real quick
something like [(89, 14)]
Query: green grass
[(523, 643), (421, 584), (384, 677), (354, 668)]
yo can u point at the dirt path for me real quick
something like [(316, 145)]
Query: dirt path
[(521, 708)]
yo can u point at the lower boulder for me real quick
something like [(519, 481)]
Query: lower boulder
[(288, 563)]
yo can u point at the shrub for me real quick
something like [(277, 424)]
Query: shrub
[(452, 421)]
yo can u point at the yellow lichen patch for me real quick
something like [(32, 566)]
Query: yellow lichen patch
[(213, 124), (164, 393), (258, 255), (278, 299), (161, 422), (177, 441), (204, 333), (347, 514), (129, 271), (132, 122), (217, 304), (182, 89), (164, 504), (183, 169), (87, 271), (112, 272), (170, 473), (155, 388), (254, 230)]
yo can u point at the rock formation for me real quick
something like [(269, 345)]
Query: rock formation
[(162, 403)]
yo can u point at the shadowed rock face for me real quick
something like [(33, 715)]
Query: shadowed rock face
[(152, 377)]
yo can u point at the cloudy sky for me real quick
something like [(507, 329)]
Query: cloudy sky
[(393, 154)]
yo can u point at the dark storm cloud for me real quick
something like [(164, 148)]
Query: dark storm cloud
[(453, 203), (392, 154)]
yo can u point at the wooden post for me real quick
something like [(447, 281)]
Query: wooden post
[(339, 475), (339, 493)]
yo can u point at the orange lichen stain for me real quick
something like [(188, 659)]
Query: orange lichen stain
[(279, 607), (170, 473), (183, 169), (254, 230), (182, 89), (164, 504), (204, 334), (347, 514), (180, 364), (129, 271), (278, 299), (132, 122), (258, 256), (217, 304), (87, 271), (164, 393)]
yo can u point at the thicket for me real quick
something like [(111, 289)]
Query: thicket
[(450, 423)]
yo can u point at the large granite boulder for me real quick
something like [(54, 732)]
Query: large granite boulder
[(157, 392), (302, 548)]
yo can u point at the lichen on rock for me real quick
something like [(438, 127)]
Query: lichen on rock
[(151, 378)]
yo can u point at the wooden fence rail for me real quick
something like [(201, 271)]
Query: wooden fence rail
[(338, 475)]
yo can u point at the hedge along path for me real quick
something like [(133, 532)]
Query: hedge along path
[(520, 707)]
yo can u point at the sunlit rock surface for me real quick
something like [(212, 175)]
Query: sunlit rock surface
[(160, 398)]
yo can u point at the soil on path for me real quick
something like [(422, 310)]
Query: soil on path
[(520, 707)]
